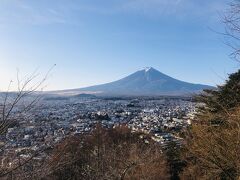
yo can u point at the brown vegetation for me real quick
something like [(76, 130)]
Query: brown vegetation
[(108, 154), (213, 149)]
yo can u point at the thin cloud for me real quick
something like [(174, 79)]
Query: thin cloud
[(66, 11), (154, 8), (178, 8), (22, 12)]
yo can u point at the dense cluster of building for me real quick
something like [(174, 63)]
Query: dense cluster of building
[(53, 120)]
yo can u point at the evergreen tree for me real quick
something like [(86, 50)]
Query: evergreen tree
[(213, 141), (224, 98)]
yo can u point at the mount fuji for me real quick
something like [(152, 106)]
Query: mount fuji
[(145, 82)]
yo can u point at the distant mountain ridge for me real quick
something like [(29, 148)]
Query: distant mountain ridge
[(145, 82)]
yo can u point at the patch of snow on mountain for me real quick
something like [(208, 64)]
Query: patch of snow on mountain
[(146, 69)]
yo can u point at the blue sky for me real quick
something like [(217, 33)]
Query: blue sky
[(94, 42)]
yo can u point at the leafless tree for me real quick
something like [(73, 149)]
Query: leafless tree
[(107, 154), (16, 103), (231, 19)]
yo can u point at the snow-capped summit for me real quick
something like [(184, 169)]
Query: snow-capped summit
[(146, 69)]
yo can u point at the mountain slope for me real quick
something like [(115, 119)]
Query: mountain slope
[(148, 81)]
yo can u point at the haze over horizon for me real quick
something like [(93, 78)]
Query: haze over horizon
[(96, 42)]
